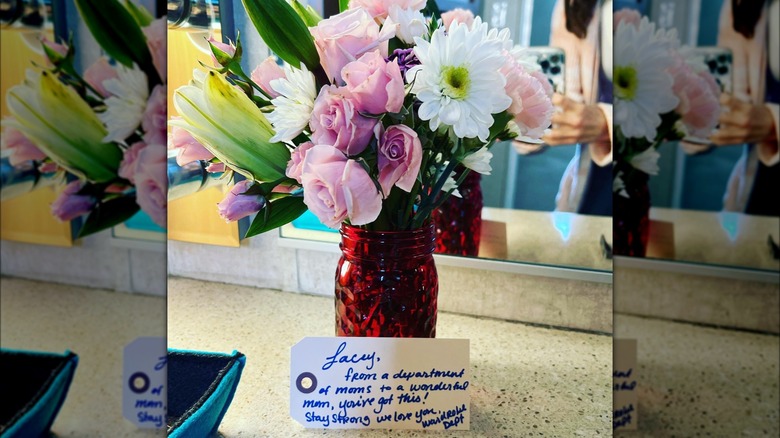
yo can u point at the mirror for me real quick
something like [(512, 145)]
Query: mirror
[(717, 204), (520, 219)]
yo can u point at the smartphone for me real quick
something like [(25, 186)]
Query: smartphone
[(552, 61), (720, 63)]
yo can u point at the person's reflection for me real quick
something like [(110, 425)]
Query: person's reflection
[(750, 114), (584, 114)]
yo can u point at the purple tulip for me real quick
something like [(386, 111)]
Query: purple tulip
[(237, 205), (70, 205)]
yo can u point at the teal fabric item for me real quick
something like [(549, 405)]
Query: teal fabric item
[(308, 221), (34, 387), (201, 386)]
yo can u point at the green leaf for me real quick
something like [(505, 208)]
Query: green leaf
[(500, 121), (118, 33), (307, 13), (108, 214), (343, 5), (431, 9), (275, 214), (283, 31), (141, 15)]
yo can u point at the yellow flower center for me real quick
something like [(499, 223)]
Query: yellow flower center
[(456, 82), (626, 82)]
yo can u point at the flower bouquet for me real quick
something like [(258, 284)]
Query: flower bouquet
[(103, 130), (363, 125), (659, 97)]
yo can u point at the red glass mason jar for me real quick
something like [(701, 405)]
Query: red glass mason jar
[(631, 220), (458, 221), (386, 283)]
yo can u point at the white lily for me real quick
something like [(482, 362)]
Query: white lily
[(231, 127), (646, 161), (63, 126), (479, 161)]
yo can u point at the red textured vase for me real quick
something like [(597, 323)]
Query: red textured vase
[(631, 221), (459, 220), (386, 283)]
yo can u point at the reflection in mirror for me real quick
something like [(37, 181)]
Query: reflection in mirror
[(540, 204), (712, 200)]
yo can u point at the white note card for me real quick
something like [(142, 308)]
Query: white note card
[(624, 385), (144, 382), (380, 383)]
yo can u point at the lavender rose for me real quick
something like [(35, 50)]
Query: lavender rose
[(128, 166), (266, 72), (295, 165), (99, 72), (22, 149), (376, 86), (400, 155), (336, 121), (341, 38), (336, 188), (188, 148), (151, 183), (155, 117)]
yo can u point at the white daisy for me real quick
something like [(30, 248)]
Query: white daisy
[(646, 161), (125, 108), (643, 88), (294, 105), (479, 161), (458, 81)]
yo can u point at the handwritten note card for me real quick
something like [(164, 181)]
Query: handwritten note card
[(144, 381), (624, 378), (380, 383)]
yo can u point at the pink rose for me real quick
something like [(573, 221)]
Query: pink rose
[(628, 16), (229, 49), (376, 86), (189, 149), (460, 15), (335, 121), (155, 117), (400, 155), (99, 72), (341, 38), (151, 183), (336, 188), (380, 8), (69, 205), (128, 166), (22, 149), (295, 165), (264, 73), (157, 39), (236, 205), (531, 99), (60, 49)]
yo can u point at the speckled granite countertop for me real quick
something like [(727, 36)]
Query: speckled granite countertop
[(96, 325), (702, 381), (526, 380)]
